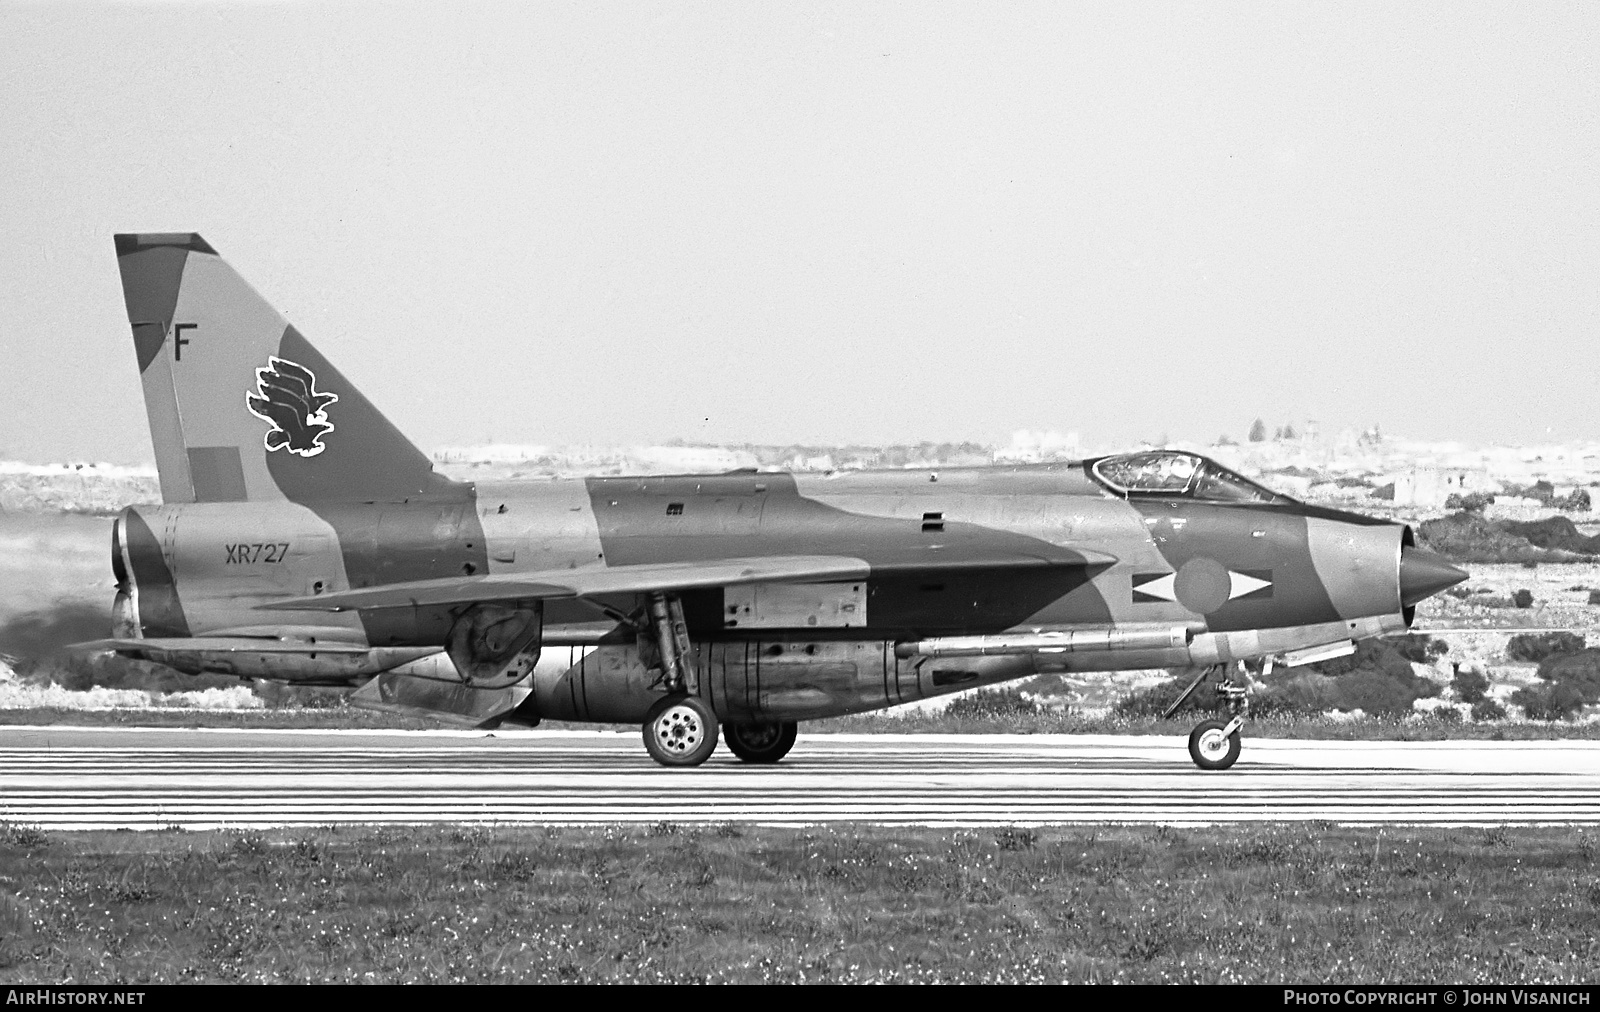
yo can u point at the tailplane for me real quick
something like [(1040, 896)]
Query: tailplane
[(241, 406)]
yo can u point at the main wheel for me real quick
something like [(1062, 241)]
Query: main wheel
[(760, 743), (1210, 749), (680, 731)]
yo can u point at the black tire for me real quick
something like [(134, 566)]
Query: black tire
[(680, 731), (760, 743), (1211, 751)]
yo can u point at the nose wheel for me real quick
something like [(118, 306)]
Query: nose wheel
[(1213, 746)]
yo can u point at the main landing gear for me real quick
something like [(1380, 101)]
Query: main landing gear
[(681, 729), (1215, 744)]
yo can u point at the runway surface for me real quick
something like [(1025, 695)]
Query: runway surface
[(100, 778)]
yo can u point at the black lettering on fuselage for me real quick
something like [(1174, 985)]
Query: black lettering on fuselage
[(249, 553)]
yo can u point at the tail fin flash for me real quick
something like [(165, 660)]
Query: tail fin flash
[(241, 406)]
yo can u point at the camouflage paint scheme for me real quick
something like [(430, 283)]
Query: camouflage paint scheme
[(302, 537)]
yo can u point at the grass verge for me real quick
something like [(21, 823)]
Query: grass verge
[(284, 719), (1312, 728), (1043, 721), (675, 903)]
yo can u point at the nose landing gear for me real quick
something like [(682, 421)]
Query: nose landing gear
[(1215, 744)]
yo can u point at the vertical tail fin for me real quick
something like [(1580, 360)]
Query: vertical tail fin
[(241, 407)]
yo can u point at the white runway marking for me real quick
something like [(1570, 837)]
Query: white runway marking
[(93, 778)]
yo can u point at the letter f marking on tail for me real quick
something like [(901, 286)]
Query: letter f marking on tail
[(178, 340), (286, 396)]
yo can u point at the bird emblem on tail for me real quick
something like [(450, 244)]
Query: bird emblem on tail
[(286, 396)]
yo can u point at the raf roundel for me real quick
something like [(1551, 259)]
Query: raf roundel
[(286, 397)]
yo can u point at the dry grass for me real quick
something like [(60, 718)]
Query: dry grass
[(675, 903)]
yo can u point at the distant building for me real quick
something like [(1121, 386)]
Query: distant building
[(1431, 486), (1419, 487)]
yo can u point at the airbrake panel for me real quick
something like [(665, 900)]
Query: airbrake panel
[(795, 605)]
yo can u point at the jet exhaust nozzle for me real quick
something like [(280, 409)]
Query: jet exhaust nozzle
[(1424, 573)]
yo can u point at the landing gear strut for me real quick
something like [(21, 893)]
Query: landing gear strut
[(681, 729), (1215, 744)]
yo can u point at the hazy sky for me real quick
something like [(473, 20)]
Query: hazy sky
[(619, 223)]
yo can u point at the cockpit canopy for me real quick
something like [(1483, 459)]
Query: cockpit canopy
[(1178, 474)]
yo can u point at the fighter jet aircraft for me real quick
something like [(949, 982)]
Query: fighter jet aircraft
[(303, 538)]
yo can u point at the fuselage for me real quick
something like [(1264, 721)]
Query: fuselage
[(963, 552)]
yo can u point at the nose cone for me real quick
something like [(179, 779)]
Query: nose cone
[(1424, 573)]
